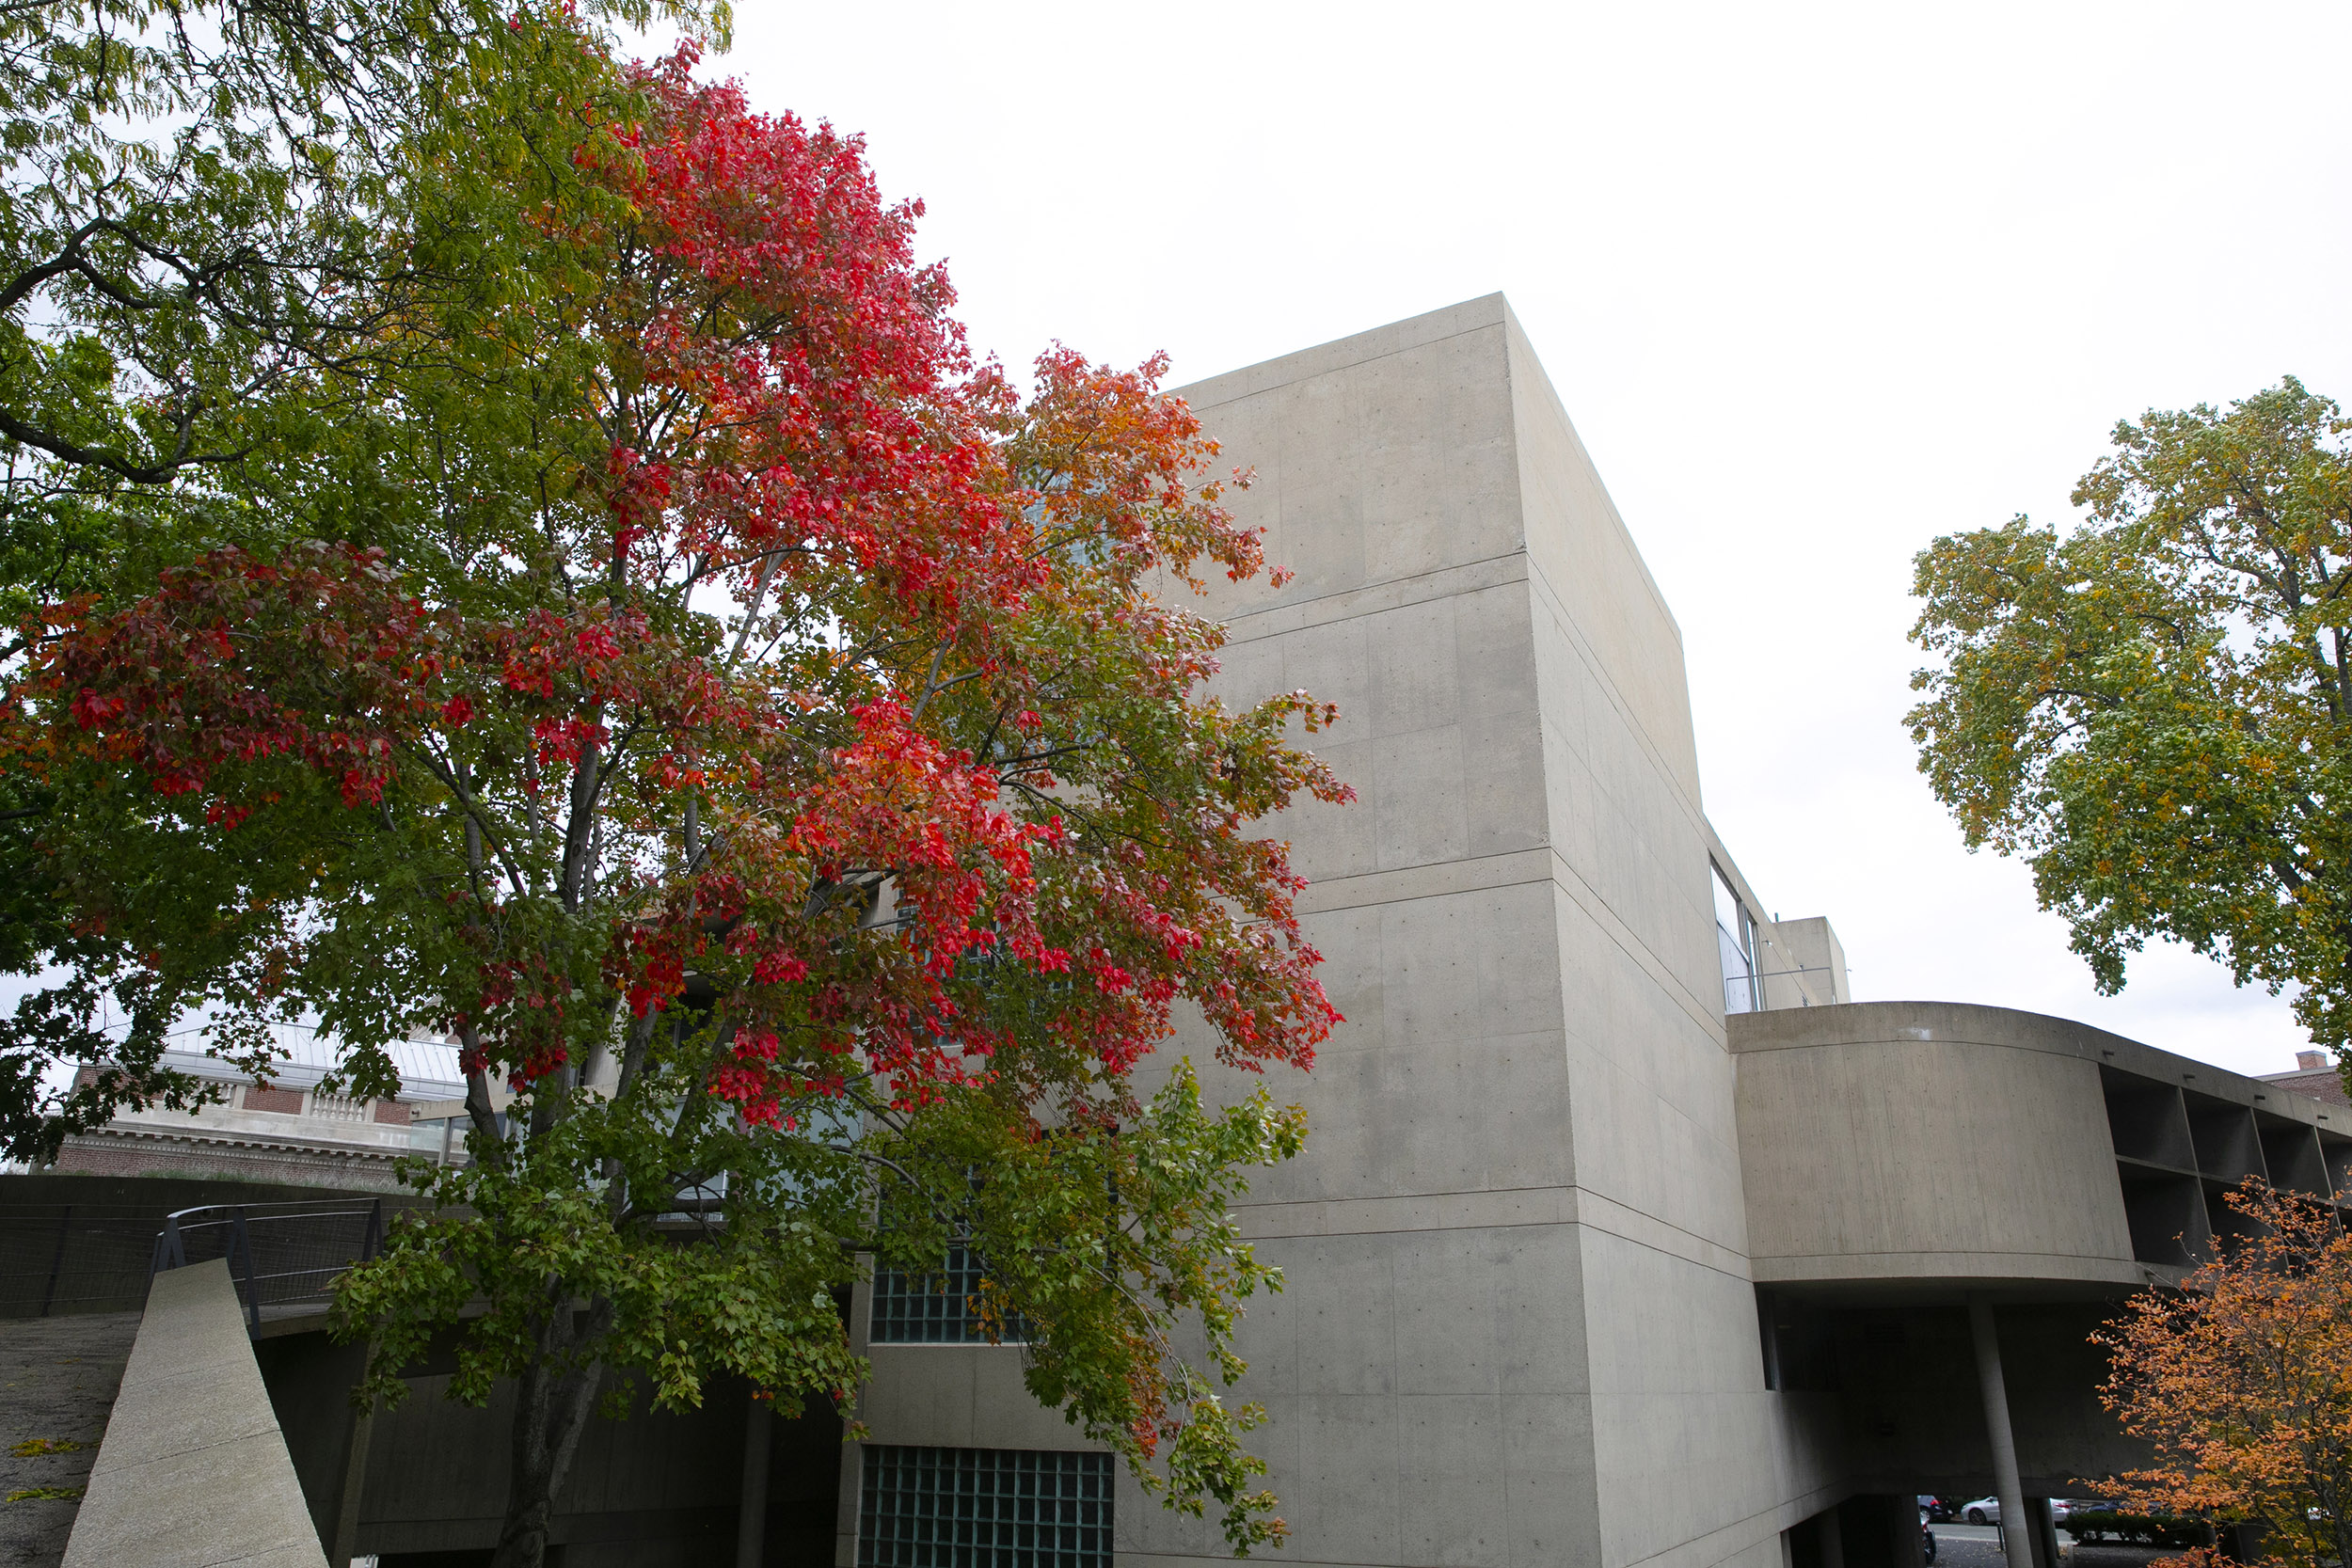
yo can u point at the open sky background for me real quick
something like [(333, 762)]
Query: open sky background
[(1815, 283)]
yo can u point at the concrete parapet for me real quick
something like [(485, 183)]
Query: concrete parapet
[(194, 1470), (1936, 1144)]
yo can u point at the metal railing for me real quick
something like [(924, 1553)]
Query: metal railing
[(284, 1258)]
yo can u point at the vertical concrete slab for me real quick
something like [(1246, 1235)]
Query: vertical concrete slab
[(1424, 1369), (1519, 1319)]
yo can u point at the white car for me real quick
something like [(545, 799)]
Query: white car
[(1987, 1510)]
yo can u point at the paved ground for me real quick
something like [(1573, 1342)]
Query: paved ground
[(2113, 1555), (57, 1381), (1978, 1547)]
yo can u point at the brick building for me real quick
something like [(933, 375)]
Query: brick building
[(291, 1130)]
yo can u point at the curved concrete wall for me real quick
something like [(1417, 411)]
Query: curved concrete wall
[(1929, 1141)]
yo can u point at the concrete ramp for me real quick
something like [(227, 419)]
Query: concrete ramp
[(193, 1470)]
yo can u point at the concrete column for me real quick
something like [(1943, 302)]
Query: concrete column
[(2045, 1521), (2017, 1537), (751, 1512), (345, 1545), (1906, 1548), (1833, 1540)]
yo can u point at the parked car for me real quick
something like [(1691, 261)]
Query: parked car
[(1936, 1510), (1987, 1510)]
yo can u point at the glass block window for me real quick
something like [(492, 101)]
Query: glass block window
[(934, 1308), (984, 1508)]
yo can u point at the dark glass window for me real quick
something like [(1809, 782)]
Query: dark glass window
[(984, 1508), (1735, 935), (934, 1308)]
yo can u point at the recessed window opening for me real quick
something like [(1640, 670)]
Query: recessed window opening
[(1735, 936)]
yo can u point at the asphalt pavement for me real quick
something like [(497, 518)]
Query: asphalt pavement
[(57, 1382), (1979, 1546)]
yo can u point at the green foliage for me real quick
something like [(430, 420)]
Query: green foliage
[(616, 625), (2155, 708), (2141, 1529), (220, 223)]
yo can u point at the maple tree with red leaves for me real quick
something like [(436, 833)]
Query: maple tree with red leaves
[(767, 743)]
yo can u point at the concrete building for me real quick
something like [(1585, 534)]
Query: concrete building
[(290, 1130), (1623, 1237)]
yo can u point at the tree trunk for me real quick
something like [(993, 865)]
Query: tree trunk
[(551, 1408)]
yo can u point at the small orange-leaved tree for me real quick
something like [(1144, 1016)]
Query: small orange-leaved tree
[(2242, 1382)]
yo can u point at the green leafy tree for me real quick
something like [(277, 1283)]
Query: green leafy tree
[(2154, 707), (220, 223), (750, 729)]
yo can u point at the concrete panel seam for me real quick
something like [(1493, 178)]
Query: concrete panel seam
[(1373, 598), (1574, 636), (1780, 1269), (1599, 1211), (1404, 884), (1717, 1546), (1570, 881), (1487, 1210), (1480, 1209), (131, 1465)]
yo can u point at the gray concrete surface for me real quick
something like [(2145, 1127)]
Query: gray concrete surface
[(1554, 1204), (1927, 1142), (1517, 1317), (57, 1381), (193, 1470)]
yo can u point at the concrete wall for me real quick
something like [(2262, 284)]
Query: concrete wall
[(75, 1242), (1521, 1324), (651, 1490), (1518, 1320), (1912, 1416), (1678, 1385), (1426, 1368), (1938, 1142), (193, 1470)]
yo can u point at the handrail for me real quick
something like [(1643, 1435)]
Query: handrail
[(316, 1241)]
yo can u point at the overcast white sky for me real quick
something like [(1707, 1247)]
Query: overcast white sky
[(1816, 284)]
